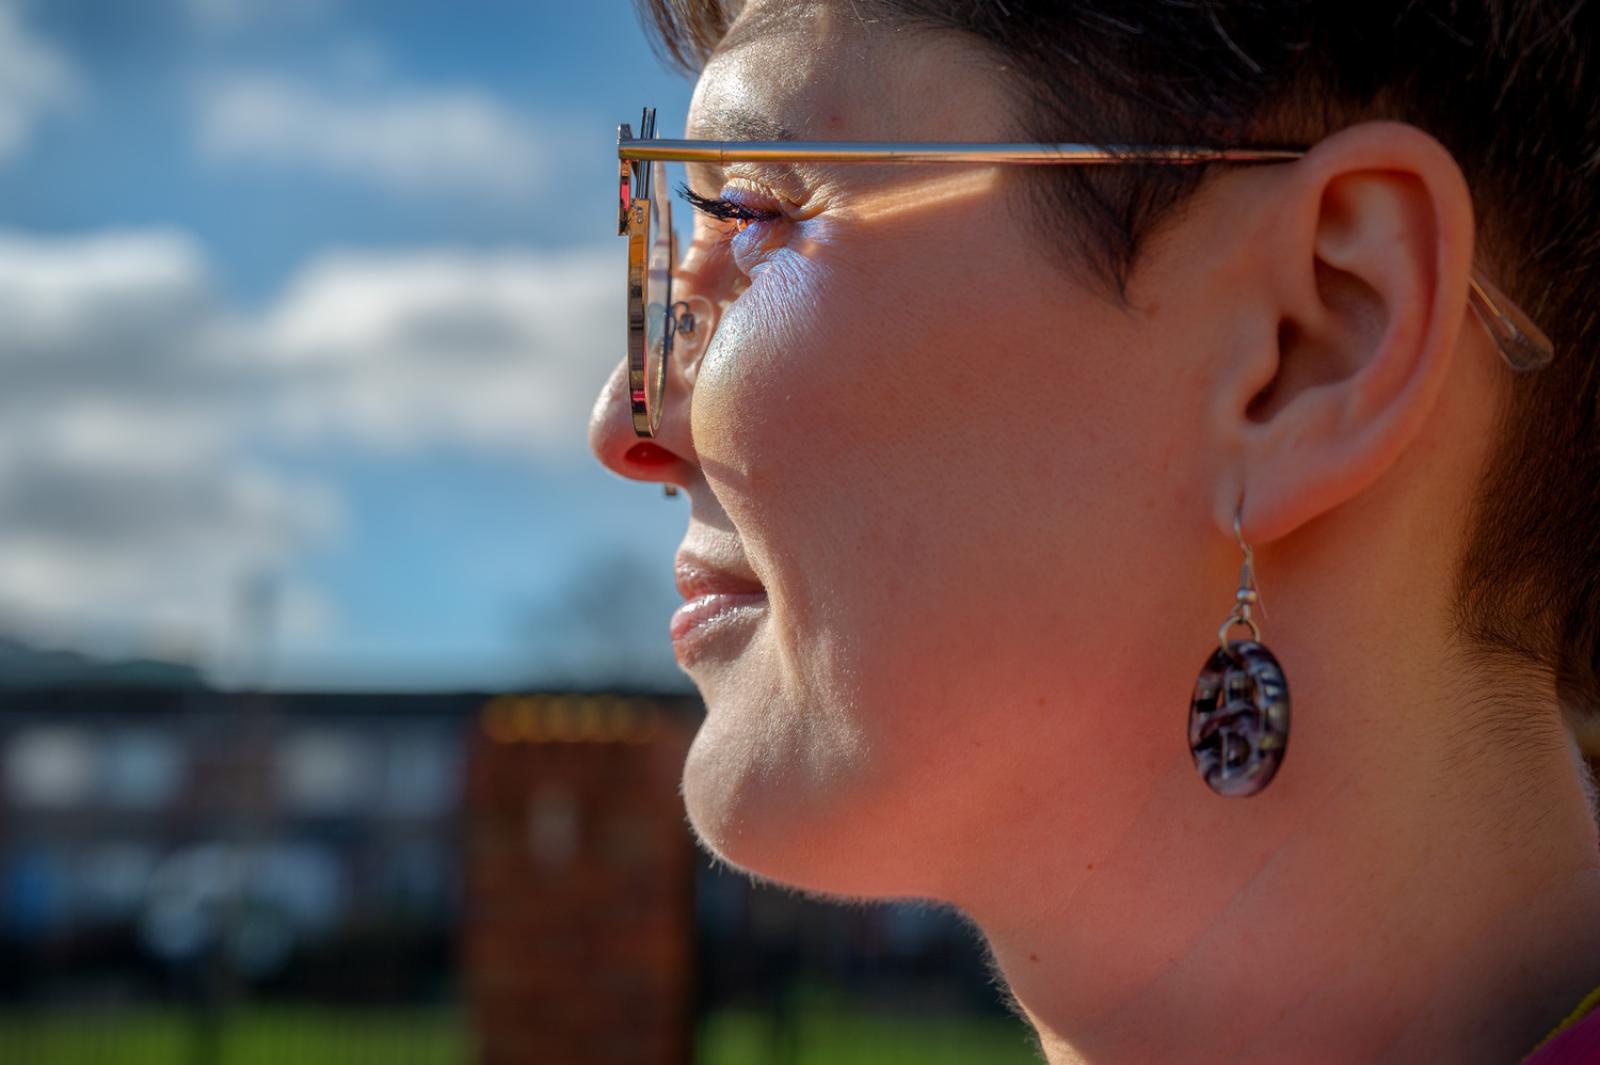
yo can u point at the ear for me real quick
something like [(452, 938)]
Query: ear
[(1365, 264)]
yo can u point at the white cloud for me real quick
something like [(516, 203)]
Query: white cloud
[(105, 549), (409, 142), (499, 351), (34, 78), (58, 298), (126, 506), (137, 406)]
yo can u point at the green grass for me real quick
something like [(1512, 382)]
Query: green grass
[(260, 1035), (739, 1038), (825, 1027), (820, 1032)]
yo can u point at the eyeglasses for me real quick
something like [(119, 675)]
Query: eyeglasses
[(644, 216)]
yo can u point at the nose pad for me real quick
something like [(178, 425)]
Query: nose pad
[(697, 320)]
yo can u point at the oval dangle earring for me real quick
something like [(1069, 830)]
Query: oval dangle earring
[(1239, 715)]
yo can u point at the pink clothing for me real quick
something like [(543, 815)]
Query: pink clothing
[(1578, 1044)]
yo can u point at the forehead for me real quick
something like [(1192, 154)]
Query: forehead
[(821, 70)]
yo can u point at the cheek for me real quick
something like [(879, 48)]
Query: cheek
[(795, 407), (943, 476), (755, 359), (853, 410), (877, 433)]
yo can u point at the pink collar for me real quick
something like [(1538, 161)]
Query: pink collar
[(1576, 1042)]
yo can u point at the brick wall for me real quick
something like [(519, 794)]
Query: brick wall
[(579, 911)]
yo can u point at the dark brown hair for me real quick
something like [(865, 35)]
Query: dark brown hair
[(1510, 88)]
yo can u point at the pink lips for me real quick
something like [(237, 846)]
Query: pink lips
[(710, 595)]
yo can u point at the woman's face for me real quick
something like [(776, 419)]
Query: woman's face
[(966, 481)]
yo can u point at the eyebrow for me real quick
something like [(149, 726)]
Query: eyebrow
[(735, 123)]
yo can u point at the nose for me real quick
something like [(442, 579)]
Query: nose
[(620, 449), (668, 457)]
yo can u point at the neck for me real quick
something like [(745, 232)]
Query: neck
[(1402, 891)]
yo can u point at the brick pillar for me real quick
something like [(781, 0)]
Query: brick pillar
[(579, 908)]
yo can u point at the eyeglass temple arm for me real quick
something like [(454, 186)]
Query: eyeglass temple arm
[(1523, 344), (720, 153)]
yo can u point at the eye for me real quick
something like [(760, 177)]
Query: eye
[(723, 209)]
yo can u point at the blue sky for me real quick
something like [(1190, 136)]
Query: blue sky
[(127, 155), (318, 291)]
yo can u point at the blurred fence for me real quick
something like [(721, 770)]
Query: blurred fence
[(196, 877)]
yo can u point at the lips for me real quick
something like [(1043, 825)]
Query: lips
[(716, 599), (697, 577)]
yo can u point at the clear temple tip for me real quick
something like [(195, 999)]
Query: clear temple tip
[(1523, 344)]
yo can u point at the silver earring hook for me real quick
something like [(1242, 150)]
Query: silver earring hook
[(1248, 595), (1247, 571)]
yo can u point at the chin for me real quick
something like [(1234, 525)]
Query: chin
[(797, 817)]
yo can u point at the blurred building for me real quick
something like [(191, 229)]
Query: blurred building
[(518, 864), (148, 830)]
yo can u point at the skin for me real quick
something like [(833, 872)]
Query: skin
[(992, 510)]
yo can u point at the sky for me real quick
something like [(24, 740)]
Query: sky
[(303, 307)]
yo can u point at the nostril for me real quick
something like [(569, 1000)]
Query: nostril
[(648, 454)]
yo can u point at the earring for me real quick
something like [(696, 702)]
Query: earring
[(1239, 715)]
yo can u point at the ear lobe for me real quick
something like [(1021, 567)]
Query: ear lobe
[(1371, 276)]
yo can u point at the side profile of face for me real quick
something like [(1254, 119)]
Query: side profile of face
[(974, 488), (971, 512)]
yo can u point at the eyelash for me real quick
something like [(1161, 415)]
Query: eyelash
[(726, 210)]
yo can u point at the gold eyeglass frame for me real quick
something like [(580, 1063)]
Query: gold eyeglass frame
[(1522, 344)]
